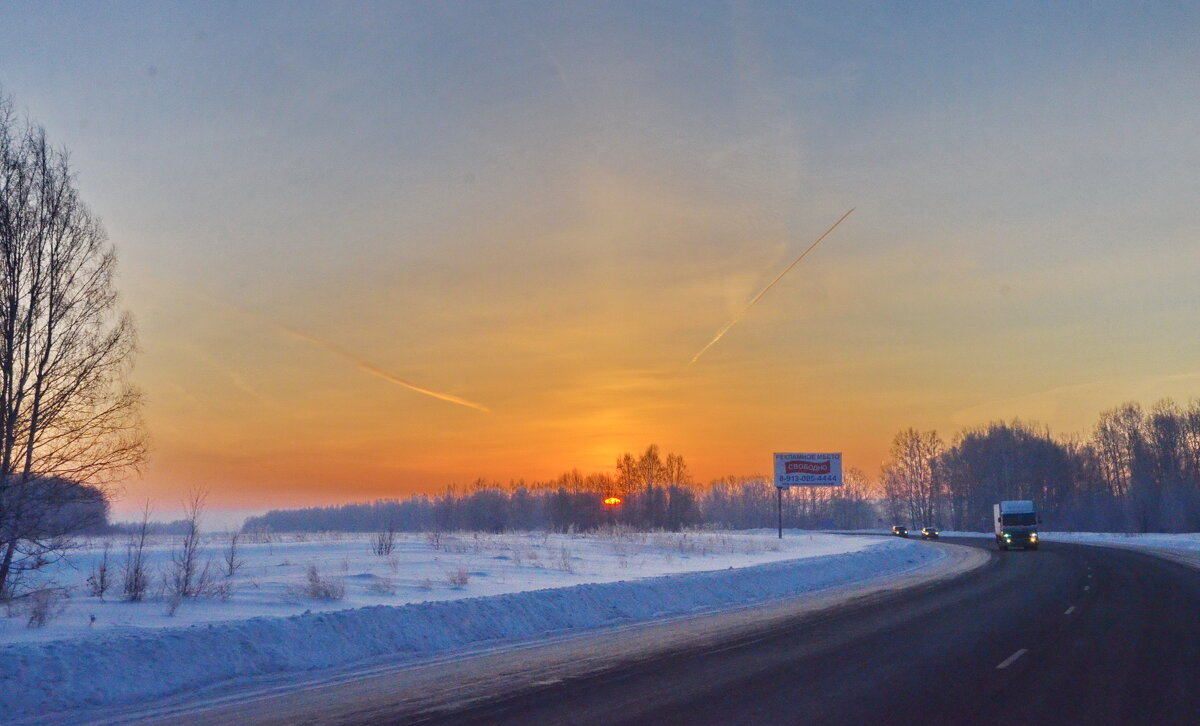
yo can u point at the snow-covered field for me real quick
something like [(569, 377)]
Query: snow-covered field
[(273, 578), (433, 595)]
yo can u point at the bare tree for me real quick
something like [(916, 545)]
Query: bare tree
[(908, 477), (135, 575), (188, 577), (675, 471), (98, 581), (67, 415), (233, 557), (384, 543), (1003, 460), (1118, 441)]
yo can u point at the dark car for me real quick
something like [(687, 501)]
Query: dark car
[(900, 531), (929, 533)]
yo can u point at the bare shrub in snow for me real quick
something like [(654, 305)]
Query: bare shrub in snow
[(481, 543), (222, 591), (384, 543), (43, 605), (622, 548), (458, 578), (381, 586), (317, 587), (425, 584), (232, 559), (188, 577), (261, 535), (98, 581), (434, 539), (135, 575), (564, 560)]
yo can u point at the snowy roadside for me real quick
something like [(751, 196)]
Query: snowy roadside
[(1184, 548), (42, 679)]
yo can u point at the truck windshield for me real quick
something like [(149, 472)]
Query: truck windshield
[(1020, 519)]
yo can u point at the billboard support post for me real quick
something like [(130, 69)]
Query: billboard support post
[(779, 491)]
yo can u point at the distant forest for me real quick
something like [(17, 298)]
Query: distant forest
[(656, 493), (1138, 471)]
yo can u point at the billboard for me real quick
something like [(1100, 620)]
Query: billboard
[(808, 470)]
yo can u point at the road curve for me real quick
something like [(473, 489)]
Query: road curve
[(1068, 634)]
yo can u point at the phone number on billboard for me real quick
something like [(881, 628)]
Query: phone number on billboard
[(808, 478)]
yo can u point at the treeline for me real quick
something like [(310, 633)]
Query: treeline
[(656, 493), (1138, 471), (177, 526)]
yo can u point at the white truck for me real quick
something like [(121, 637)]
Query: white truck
[(1016, 524)]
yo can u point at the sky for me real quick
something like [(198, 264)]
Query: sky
[(540, 212)]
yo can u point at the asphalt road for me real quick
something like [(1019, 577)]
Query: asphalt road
[(1069, 634)]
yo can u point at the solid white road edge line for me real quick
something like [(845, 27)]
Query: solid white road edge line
[(1012, 658)]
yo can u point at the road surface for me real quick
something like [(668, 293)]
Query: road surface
[(1070, 634)]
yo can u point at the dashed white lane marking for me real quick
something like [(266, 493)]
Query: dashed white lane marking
[(1012, 659), (1087, 587), (1070, 610)]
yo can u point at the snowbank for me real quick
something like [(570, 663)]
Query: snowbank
[(1182, 542), (1183, 548), (119, 667)]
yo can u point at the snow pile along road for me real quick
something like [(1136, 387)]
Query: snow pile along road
[(1183, 548), (38, 679)]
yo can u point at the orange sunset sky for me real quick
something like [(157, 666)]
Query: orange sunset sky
[(547, 210)]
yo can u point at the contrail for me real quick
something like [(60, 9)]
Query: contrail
[(362, 365), (758, 297), (366, 367)]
